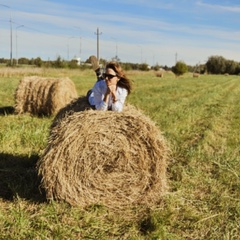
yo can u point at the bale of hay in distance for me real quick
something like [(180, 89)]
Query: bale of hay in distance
[(43, 96), (114, 159), (196, 75)]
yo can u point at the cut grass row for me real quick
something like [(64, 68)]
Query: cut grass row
[(200, 119)]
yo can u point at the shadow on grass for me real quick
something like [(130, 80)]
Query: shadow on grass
[(6, 110), (18, 177)]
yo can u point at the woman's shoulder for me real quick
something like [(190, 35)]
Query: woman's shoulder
[(100, 86), (121, 90)]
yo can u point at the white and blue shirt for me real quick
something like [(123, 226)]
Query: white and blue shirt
[(97, 96)]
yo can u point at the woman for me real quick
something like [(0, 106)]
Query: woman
[(111, 89)]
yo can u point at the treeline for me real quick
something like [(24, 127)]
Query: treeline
[(38, 62), (214, 65), (73, 64), (217, 65), (220, 65)]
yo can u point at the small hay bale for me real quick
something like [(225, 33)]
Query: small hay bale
[(159, 74), (114, 159), (196, 75), (43, 96)]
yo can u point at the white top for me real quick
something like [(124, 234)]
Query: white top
[(97, 95)]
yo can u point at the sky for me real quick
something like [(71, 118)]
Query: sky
[(137, 31)]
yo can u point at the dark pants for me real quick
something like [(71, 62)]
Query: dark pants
[(99, 78)]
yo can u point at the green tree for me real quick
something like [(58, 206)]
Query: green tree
[(156, 67), (180, 68), (38, 62), (216, 65), (23, 60), (59, 63), (231, 67), (143, 67), (73, 64)]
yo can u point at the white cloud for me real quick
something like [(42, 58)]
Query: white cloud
[(221, 8), (48, 28)]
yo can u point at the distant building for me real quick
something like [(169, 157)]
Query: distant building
[(78, 60)]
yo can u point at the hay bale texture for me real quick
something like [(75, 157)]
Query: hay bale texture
[(77, 105), (109, 158), (43, 96)]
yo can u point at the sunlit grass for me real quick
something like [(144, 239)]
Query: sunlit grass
[(200, 118)]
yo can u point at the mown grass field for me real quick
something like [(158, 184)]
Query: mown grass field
[(200, 119)]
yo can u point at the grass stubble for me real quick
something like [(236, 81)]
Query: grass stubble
[(200, 120)]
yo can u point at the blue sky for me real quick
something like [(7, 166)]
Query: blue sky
[(149, 31)]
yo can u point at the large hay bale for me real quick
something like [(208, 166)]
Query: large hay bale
[(110, 158), (43, 96), (77, 105)]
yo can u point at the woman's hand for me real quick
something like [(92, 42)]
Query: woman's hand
[(111, 90), (111, 79)]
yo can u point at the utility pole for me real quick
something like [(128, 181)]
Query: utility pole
[(80, 45), (11, 60), (80, 48), (141, 53), (98, 43)]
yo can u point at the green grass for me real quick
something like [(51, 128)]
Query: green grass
[(200, 118)]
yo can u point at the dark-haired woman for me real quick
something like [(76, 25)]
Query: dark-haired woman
[(111, 89)]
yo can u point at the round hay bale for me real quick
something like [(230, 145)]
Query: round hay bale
[(110, 158), (77, 105), (43, 96)]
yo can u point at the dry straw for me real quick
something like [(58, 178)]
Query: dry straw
[(77, 105), (43, 96), (114, 159)]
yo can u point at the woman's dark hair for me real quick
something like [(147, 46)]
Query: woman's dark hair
[(124, 81)]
